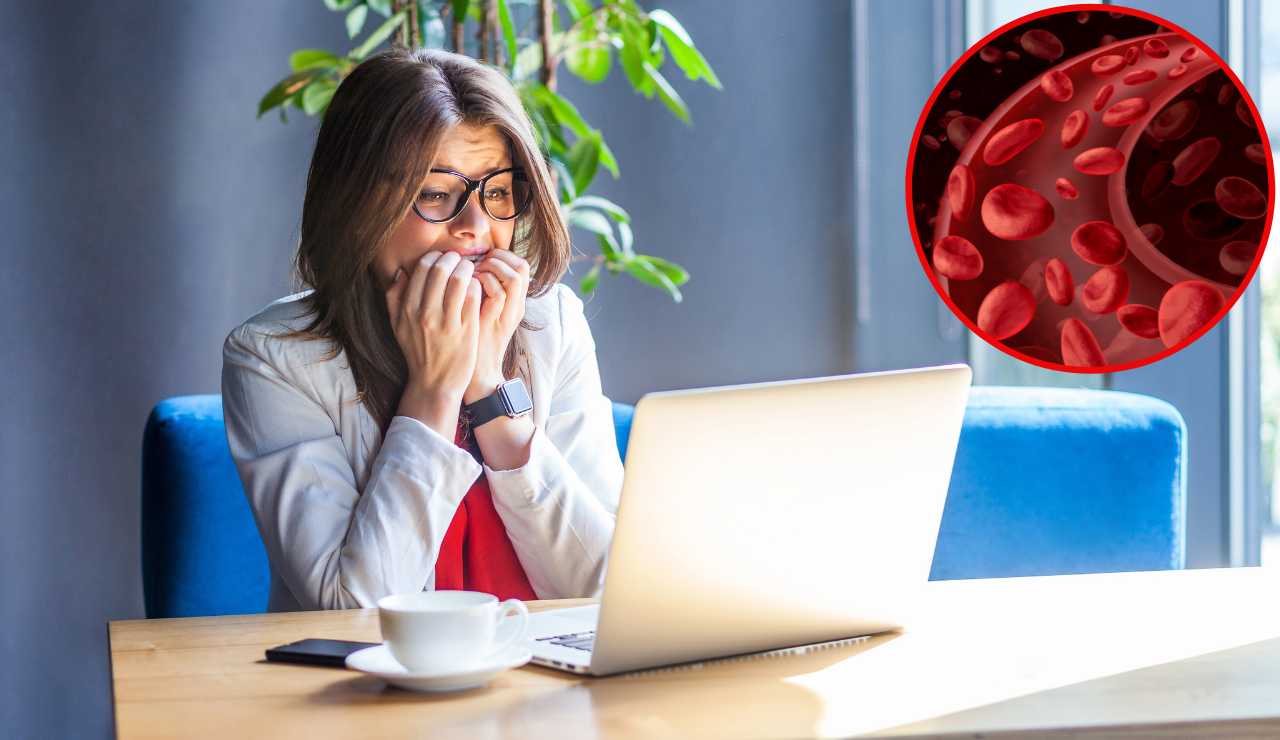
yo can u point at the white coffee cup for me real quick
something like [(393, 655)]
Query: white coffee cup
[(431, 631)]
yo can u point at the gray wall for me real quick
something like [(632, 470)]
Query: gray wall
[(147, 212), (754, 200)]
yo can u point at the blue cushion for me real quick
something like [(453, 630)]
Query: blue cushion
[(201, 551), (1050, 481), (1046, 481)]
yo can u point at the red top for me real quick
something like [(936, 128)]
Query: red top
[(476, 554)]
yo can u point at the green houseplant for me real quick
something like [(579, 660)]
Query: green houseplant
[(528, 40)]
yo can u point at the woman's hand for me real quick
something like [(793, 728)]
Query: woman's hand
[(435, 315), (504, 275)]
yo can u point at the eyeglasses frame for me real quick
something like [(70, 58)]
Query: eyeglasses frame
[(473, 186)]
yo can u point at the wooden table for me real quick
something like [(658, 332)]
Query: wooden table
[(1167, 654)]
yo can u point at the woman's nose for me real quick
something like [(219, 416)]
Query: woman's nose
[(473, 221)]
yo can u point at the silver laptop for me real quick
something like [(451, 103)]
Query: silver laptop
[(768, 516)]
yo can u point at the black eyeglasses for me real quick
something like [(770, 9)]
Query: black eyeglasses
[(504, 194)]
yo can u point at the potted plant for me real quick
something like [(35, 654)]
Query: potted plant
[(528, 40)]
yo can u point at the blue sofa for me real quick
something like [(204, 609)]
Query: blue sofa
[(1046, 481)]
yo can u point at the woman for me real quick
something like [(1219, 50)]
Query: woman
[(432, 244)]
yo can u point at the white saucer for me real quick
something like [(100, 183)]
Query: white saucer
[(377, 661)]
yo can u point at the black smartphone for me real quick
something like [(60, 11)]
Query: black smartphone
[(315, 651)]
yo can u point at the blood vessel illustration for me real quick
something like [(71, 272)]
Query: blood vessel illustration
[(1107, 209)]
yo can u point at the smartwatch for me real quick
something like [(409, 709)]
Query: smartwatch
[(511, 399)]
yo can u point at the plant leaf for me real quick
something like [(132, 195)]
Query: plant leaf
[(578, 8), (675, 273), (316, 96), (312, 58), (645, 272), (528, 62), (355, 20), (508, 31), (591, 221), (585, 60), (626, 238), (589, 281), (583, 161), (613, 210), (286, 88), (460, 8), (565, 178), (632, 53), (381, 7), (609, 248), (379, 35), (685, 54), (607, 160), (668, 93), (338, 4), (564, 111)]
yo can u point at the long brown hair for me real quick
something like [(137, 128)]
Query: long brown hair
[(375, 146)]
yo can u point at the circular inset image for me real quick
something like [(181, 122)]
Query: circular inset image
[(1090, 188)]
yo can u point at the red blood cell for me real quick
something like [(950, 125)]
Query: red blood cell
[(1236, 257), (1255, 154), (1157, 179), (1057, 85), (1240, 198), (1126, 112), (1155, 48), (1244, 114), (1006, 310), (1058, 282), (1189, 54), (1100, 160), (950, 116), (1154, 233), (1079, 347), (1139, 320), (960, 129), (1185, 309), (1105, 290), (1106, 40), (1107, 64), (1006, 143), (1192, 161), (1082, 17), (1225, 93), (954, 95), (1131, 55), (960, 192), (1098, 243), (1041, 44), (1074, 128), (1174, 122), (1115, 14), (930, 142), (990, 54), (1066, 189), (956, 258), (1014, 212), (942, 137), (997, 71), (1201, 86), (1206, 220), (1012, 56), (1139, 76), (1102, 96), (1038, 352), (1178, 71)]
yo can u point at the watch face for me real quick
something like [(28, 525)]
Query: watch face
[(517, 398)]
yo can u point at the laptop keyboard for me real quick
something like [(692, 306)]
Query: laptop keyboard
[(581, 640)]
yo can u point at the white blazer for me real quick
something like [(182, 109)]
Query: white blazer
[(348, 517)]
